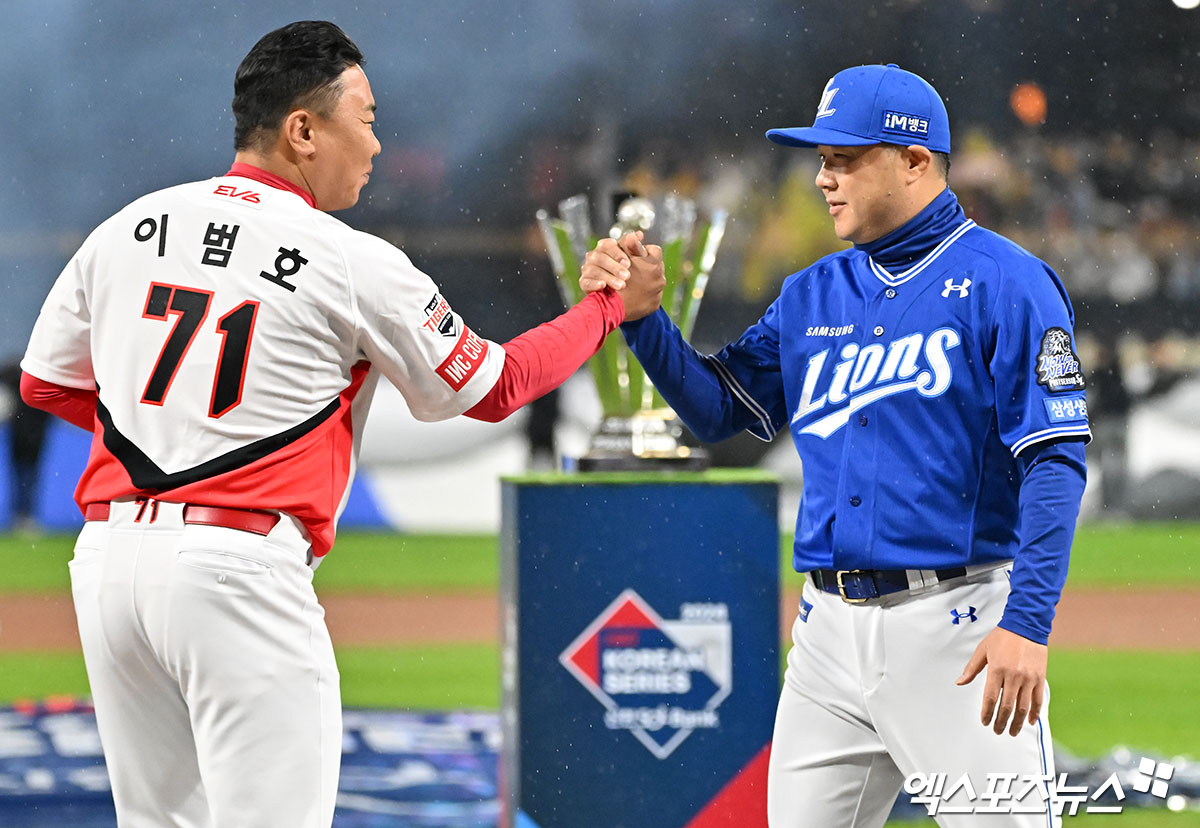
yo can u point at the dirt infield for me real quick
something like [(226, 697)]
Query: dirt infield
[(1150, 619)]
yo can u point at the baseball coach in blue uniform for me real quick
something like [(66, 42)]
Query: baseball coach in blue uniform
[(928, 378)]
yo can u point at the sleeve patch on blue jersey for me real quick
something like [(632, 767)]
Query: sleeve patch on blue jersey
[(1057, 366), (1062, 409)]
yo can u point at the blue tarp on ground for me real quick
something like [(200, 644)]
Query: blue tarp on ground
[(424, 770), (399, 770)]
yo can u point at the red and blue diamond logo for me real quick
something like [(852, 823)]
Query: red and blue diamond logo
[(658, 679)]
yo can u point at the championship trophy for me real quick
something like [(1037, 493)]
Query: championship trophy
[(638, 431)]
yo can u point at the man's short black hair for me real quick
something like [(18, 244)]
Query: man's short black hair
[(297, 66), (941, 160)]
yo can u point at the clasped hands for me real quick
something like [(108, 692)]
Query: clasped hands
[(632, 270)]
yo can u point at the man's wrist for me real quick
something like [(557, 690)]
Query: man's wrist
[(1023, 628)]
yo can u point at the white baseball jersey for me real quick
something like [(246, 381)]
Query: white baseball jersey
[(235, 335)]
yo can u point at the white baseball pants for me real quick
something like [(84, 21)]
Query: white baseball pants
[(212, 672), (869, 698)]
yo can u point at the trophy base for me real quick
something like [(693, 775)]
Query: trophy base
[(698, 461), (645, 441)]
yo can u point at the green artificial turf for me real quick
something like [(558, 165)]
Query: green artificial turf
[(1146, 701), (388, 562), (1136, 554), (361, 561), (1100, 699), (1144, 555), (450, 677), (35, 563), (32, 676), (446, 677)]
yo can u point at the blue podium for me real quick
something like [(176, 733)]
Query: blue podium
[(641, 648)]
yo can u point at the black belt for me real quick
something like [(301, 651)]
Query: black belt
[(857, 585)]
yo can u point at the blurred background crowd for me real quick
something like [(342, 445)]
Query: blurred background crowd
[(1076, 129)]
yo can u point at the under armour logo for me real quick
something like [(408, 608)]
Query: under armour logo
[(970, 613), (824, 109), (962, 289)]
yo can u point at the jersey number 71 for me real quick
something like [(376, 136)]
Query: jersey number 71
[(189, 306)]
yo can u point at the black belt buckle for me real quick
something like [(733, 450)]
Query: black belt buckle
[(841, 585)]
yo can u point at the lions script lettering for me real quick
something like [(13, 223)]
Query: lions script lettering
[(865, 375)]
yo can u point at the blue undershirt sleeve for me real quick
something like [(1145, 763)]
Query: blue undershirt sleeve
[(689, 382), (1055, 476)]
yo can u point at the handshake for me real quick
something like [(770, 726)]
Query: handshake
[(634, 271)]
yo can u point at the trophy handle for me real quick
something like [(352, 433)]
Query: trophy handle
[(701, 266), (606, 364)]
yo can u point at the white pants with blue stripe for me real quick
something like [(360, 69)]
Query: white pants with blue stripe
[(869, 700)]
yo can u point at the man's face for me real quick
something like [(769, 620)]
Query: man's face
[(863, 187), (345, 144)]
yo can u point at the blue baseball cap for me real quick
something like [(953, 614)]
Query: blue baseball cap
[(874, 105)]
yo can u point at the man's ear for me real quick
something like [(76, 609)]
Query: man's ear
[(919, 161), (297, 132)]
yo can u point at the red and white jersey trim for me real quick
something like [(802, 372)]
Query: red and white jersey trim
[(235, 336)]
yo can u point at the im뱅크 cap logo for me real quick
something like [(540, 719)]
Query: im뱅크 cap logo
[(905, 124)]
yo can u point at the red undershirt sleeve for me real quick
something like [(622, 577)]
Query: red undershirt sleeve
[(542, 358), (75, 405)]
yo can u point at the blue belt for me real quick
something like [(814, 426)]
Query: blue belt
[(857, 585)]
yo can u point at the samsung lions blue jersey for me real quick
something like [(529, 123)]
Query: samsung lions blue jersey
[(909, 389)]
